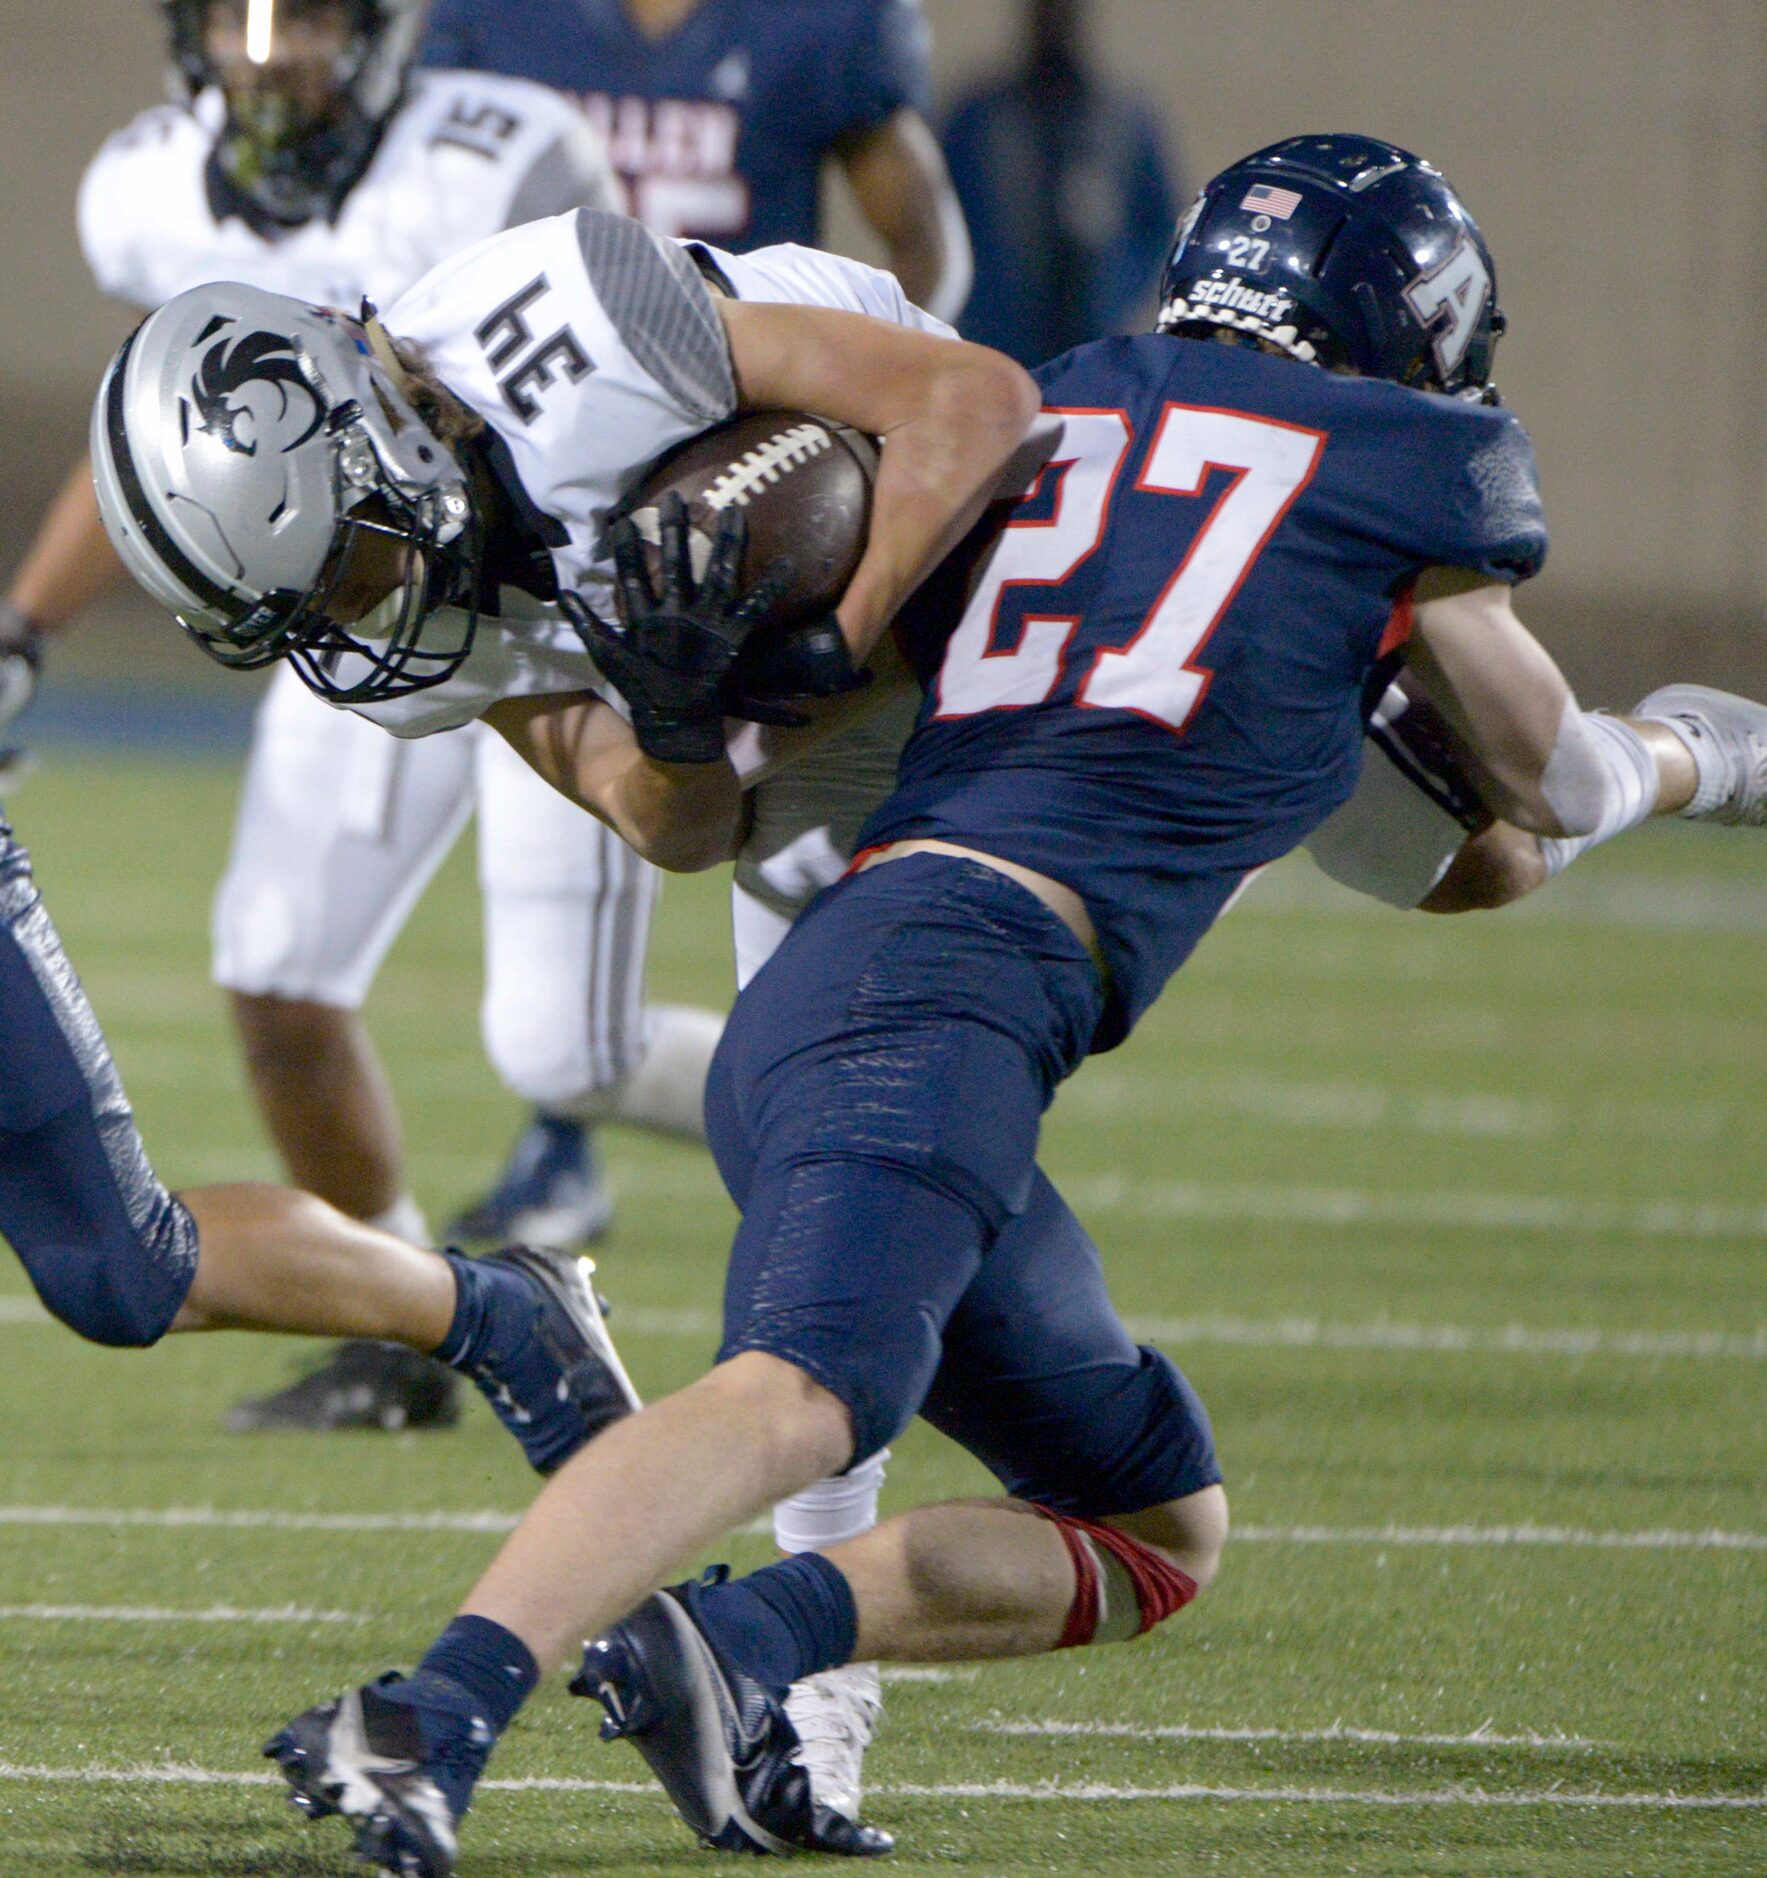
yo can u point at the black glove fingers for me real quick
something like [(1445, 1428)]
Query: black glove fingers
[(723, 579), (675, 541), (632, 570)]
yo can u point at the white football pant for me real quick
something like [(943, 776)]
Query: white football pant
[(340, 829)]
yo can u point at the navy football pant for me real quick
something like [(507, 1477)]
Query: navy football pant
[(110, 1251), (874, 1110)]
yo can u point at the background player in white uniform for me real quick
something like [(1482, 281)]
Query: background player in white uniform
[(318, 164)]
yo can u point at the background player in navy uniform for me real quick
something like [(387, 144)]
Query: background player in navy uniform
[(1151, 681), (720, 114)]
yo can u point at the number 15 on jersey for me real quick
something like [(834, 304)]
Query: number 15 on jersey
[(1156, 673)]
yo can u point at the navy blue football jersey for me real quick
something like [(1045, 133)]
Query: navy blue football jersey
[(1146, 677), (719, 128)]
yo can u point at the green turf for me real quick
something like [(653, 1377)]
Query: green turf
[(1339, 1120)]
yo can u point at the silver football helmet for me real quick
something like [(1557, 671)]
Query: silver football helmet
[(259, 470)]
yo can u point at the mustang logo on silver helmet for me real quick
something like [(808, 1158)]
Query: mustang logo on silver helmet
[(229, 369), (265, 477)]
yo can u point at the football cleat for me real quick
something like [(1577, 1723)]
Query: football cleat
[(359, 1385), (721, 1745), (551, 1191), (1728, 736), (835, 1715), (565, 1383), (365, 1758)]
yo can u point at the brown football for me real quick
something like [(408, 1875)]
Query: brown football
[(803, 482)]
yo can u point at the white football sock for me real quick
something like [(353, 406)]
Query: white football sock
[(1619, 785), (404, 1220), (831, 1511)]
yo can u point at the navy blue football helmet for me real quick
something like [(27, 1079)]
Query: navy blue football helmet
[(1344, 251)]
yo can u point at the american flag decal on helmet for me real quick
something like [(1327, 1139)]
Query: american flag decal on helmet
[(1267, 199)]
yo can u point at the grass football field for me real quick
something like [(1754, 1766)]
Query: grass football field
[(1458, 1227)]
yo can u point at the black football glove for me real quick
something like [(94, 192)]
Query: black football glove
[(672, 651), (781, 669)]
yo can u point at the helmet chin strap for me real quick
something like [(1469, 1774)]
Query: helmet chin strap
[(380, 343)]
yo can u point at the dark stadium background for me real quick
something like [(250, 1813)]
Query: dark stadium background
[(1616, 155)]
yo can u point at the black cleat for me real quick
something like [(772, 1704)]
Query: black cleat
[(566, 1382), (359, 1385), (363, 1757), (720, 1744), (551, 1191)]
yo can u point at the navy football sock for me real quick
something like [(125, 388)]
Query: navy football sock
[(493, 1314), (465, 1692), (782, 1623)]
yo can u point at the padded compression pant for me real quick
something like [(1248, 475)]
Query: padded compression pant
[(110, 1252)]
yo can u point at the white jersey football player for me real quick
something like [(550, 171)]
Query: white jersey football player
[(551, 364), (313, 161)]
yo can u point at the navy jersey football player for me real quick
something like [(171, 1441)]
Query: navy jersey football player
[(719, 114), (1152, 678)]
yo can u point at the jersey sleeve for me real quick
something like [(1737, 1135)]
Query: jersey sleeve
[(572, 172), (454, 38), (1486, 514), (117, 201), (790, 275), (884, 66)]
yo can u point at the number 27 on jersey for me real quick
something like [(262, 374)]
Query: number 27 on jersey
[(1156, 674)]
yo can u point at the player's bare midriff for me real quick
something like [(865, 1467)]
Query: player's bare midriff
[(1063, 902)]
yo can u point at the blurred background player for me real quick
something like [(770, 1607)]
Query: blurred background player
[(720, 114), (309, 157), (1068, 193)]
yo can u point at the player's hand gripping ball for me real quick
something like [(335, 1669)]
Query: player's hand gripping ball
[(679, 633), (803, 486)]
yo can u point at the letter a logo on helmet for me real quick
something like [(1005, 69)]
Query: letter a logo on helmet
[(1451, 302)]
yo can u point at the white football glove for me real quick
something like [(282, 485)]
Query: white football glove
[(20, 656)]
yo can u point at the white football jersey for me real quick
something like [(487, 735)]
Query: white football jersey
[(590, 345), (465, 155)]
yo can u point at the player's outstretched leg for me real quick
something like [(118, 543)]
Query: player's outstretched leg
[(121, 1261), (524, 1325), (691, 1677)]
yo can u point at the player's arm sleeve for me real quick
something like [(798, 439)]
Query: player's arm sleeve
[(117, 265), (883, 65), (572, 172), (1488, 518), (661, 311), (453, 41)]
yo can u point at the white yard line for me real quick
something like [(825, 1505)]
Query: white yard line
[(1269, 1333), (1655, 1539), (1471, 1211), (153, 1614), (1379, 1737), (254, 1520), (1046, 1791), (1304, 1333), (1309, 1333)]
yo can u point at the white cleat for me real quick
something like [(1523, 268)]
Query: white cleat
[(1728, 737), (836, 1714)]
